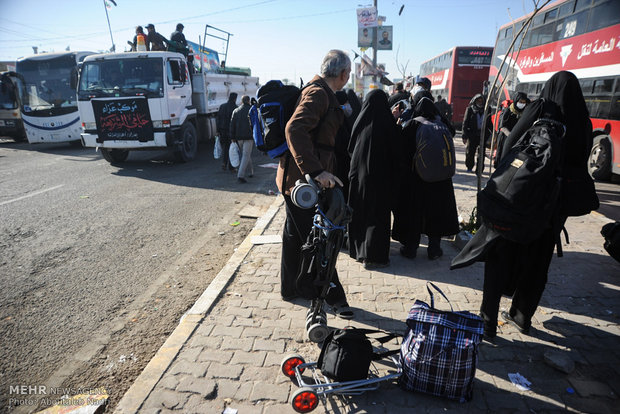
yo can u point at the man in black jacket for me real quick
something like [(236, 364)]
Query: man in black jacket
[(241, 135), (155, 40), (224, 116)]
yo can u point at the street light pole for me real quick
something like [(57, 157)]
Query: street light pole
[(374, 46)]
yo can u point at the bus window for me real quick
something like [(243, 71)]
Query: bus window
[(604, 15), (538, 20), (603, 85), (586, 86), (615, 109), (542, 35), (576, 24), (566, 9), (582, 4), (550, 15)]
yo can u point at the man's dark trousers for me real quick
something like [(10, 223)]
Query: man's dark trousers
[(296, 229)]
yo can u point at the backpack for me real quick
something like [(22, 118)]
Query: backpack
[(521, 196), (346, 354), (611, 233), (275, 105), (434, 159)]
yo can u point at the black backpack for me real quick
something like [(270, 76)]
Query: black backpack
[(275, 105), (521, 197), (434, 159), (611, 233), (347, 353)]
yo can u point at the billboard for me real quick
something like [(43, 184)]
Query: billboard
[(384, 38), (210, 58), (367, 17), (365, 36)]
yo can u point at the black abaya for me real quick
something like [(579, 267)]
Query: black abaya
[(373, 143), (422, 207)]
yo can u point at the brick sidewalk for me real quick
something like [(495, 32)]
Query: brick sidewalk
[(232, 357)]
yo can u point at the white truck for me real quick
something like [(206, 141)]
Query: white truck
[(148, 100)]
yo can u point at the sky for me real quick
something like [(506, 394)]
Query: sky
[(277, 39)]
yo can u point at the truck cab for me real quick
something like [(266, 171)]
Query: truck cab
[(137, 100), (11, 90)]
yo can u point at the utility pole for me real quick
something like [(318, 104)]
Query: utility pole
[(374, 45)]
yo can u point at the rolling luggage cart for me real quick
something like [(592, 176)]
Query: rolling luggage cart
[(307, 397)]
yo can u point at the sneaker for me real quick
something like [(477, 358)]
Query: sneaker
[(506, 316), (242, 180)]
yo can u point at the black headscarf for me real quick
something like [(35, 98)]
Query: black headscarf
[(561, 99), (342, 97), (521, 95), (355, 103), (426, 111), (426, 108), (375, 110)]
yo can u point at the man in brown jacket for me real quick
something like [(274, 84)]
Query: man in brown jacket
[(311, 134)]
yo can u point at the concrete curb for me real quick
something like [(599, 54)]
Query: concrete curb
[(143, 385)]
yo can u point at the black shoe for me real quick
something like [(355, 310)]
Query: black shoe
[(408, 252), (242, 180), (434, 253), (290, 298), (506, 316)]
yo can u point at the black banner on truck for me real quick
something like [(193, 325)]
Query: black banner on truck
[(123, 119)]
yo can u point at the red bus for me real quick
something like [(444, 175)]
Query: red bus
[(457, 75), (581, 36)]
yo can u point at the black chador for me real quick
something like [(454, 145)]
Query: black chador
[(372, 180)]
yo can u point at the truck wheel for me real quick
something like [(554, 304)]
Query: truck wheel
[(599, 163), (19, 138), (188, 146), (114, 156)]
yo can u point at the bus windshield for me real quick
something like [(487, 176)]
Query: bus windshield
[(8, 97), (475, 57), (47, 83), (122, 77)]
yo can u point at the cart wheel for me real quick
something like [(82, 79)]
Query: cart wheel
[(290, 362), (319, 320), (318, 332), (304, 400)]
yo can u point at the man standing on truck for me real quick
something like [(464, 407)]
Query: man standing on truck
[(241, 134), (155, 40), (224, 115), (311, 137)]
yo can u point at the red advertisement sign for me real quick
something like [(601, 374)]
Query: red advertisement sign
[(594, 49)]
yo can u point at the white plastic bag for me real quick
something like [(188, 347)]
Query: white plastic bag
[(217, 148), (234, 155)]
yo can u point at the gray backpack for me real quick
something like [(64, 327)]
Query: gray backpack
[(434, 159)]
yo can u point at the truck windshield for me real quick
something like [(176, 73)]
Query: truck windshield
[(48, 83), (8, 98), (122, 77)]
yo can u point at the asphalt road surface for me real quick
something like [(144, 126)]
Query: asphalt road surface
[(99, 262)]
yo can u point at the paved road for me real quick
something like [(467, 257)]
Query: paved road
[(98, 263)]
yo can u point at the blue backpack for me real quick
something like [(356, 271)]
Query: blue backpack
[(275, 105)]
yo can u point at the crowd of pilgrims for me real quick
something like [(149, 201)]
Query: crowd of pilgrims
[(375, 151)]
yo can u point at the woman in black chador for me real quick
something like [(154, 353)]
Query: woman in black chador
[(422, 207), (521, 270), (372, 176)]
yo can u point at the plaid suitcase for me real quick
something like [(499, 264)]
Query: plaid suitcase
[(439, 353)]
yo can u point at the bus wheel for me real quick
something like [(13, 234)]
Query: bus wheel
[(186, 151), (114, 155), (599, 163)]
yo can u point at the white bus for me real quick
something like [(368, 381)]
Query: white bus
[(49, 105)]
